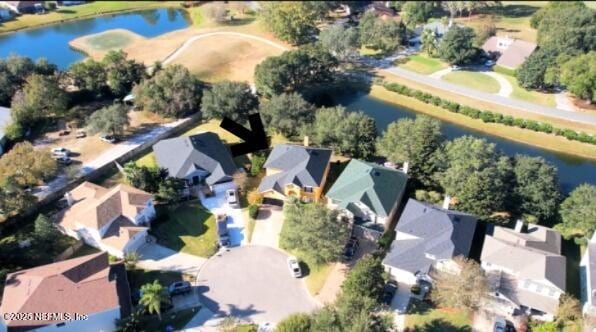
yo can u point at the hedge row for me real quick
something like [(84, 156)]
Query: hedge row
[(490, 117)]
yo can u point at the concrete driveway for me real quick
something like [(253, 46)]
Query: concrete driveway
[(218, 204), (252, 283), (268, 226), (156, 257)]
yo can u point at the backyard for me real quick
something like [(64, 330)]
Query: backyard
[(473, 80), (423, 64), (188, 228), (422, 317)]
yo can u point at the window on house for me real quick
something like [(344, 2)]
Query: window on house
[(308, 189)]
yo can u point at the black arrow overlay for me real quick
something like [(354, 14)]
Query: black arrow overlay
[(254, 139)]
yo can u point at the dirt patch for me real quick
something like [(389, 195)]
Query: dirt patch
[(98, 44)]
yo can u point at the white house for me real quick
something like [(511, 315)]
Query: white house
[(587, 270), (115, 220), (79, 294)]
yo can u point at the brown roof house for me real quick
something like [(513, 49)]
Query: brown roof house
[(115, 220), (510, 53), (525, 269), (79, 294)]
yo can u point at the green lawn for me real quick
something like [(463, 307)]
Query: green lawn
[(421, 317), (530, 96), (189, 228), (423, 64), (138, 277), (147, 160), (77, 12), (110, 40), (473, 80)]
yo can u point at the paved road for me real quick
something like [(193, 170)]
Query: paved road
[(107, 157), (217, 204), (252, 283), (156, 257), (523, 107), (268, 226)]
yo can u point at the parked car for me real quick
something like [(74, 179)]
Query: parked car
[(389, 291), (81, 134), (61, 152), (295, 270), (489, 63), (109, 139), (351, 248), (63, 160), (232, 198), (500, 324), (179, 287), (222, 230)]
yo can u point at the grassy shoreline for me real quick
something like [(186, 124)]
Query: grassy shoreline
[(542, 140)]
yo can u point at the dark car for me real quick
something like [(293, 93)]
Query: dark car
[(351, 248), (389, 291), (179, 287), (222, 230)]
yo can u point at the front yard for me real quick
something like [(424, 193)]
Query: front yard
[(187, 228), (473, 80), (423, 64), (422, 317)]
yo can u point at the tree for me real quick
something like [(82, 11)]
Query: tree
[(170, 191), (13, 199), (365, 279), (131, 259), (536, 188), (416, 12), (476, 174), (153, 296), (109, 120), (415, 142), (314, 230), (14, 70), (257, 161), (457, 45), (122, 73), (132, 323), (27, 166), (341, 42), (579, 76), (143, 177), (463, 289), (569, 310), (294, 323), (531, 73), (40, 98), (295, 70), (286, 113), (484, 32), (545, 327), (171, 92), (379, 34), (578, 213), (89, 75), (428, 42), (349, 133), (228, 99), (44, 231), (326, 319), (293, 21), (216, 12)]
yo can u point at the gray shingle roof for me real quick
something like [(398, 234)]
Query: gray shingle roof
[(426, 233), (300, 165), (204, 151)]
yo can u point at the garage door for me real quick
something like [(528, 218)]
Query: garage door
[(273, 201)]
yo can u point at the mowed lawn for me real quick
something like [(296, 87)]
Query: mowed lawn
[(473, 80), (421, 317), (535, 97), (423, 64), (188, 228)]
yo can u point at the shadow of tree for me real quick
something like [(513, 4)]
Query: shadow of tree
[(510, 11), (439, 325)]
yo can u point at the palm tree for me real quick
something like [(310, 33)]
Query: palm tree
[(131, 259), (153, 296), (428, 41)]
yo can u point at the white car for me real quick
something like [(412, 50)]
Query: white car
[(60, 152), (294, 266), (232, 198), (109, 139)]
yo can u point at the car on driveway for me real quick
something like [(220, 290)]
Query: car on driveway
[(63, 160), (294, 266), (232, 198), (222, 230), (179, 287), (109, 139), (60, 152), (389, 291), (351, 248)]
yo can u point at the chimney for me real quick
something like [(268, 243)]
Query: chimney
[(406, 167), (306, 140), (446, 202), (519, 224), (69, 198)]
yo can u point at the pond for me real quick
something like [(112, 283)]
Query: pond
[(51, 42), (573, 171)]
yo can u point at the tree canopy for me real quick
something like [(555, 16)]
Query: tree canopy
[(40, 98), (293, 21), (89, 75), (314, 230), (463, 290), (416, 12), (13, 198), (341, 42), (171, 92), (286, 113), (348, 133), (14, 70), (228, 99), (457, 46), (579, 76), (153, 296), (379, 34), (27, 166), (109, 120), (299, 322), (143, 177), (415, 142), (122, 73), (578, 213)]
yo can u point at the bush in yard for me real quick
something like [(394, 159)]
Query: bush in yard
[(386, 239), (228, 99), (294, 323), (254, 197), (256, 163), (253, 211)]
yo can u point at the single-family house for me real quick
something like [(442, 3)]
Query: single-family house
[(22, 7), (79, 294), (115, 220), (368, 192), (510, 53), (198, 159), (4, 121), (5, 13), (587, 270), (295, 171), (437, 27), (382, 9), (526, 270), (428, 237)]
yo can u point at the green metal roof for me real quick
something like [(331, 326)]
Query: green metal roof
[(373, 185)]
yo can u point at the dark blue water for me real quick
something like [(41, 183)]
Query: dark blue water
[(573, 171), (51, 42)]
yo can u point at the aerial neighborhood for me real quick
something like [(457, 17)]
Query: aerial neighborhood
[(297, 166)]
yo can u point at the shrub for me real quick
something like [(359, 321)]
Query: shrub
[(437, 101), (386, 239), (519, 123), (487, 116), (508, 120), (253, 211), (415, 289)]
